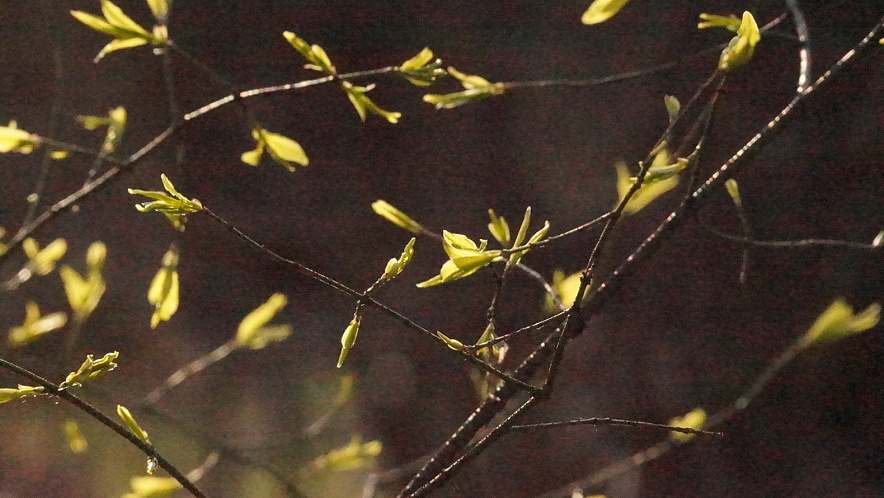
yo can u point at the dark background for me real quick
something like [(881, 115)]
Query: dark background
[(682, 333)]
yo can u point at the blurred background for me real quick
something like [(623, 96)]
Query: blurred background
[(682, 333)]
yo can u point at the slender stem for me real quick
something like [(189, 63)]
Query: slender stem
[(790, 244), (147, 449), (615, 422), (803, 38)]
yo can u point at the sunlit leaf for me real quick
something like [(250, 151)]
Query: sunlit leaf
[(395, 216), (565, 287), (348, 339), (499, 228), (130, 422), (9, 394), (602, 10), (282, 149), (91, 369), (159, 8), (422, 70), (451, 343), (740, 49), (364, 105), (839, 321), (673, 106), (13, 139), (395, 266), (646, 194), (35, 325), (164, 289), (76, 442), (84, 294), (317, 57), (476, 88), (152, 487), (353, 456), (731, 22), (44, 259), (734, 191), (249, 328), (694, 419)]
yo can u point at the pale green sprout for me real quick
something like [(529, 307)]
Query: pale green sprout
[(174, 206), (364, 105), (253, 331), (152, 487), (422, 70), (741, 47), (9, 394), (733, 190), (126, 32), (91, 368), (353, 456), (74, 436), (520, 238), (127, 418), (44, 259), (348, 339), (116, 126), (673, 106), (35, 325), (451, 343), (395, 266), (476, 88), (662, 169), (12, 139), (566, 287), (497, 351), (84, 293), (164, 289), (465, 258), (694, 419), (839, 321), (317, 57), (602, 10), (499, 228), (386, 211), (282, 149), (730, 23), (646, 194)]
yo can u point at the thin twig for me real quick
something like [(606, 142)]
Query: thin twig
[(147, 449), (614, 422), (803, 33)]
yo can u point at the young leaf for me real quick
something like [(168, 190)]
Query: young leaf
[(602, 10), (13, 139), (164, 289), (694, 419), (731, 22), (160, 9), (174, 206), (44, 260), (76, 442), (84, 293), (673, 106), (395, 216), (9, 394), (419, 70), (476, 88), (353, 456), (395, 266), (91, 368), (252, 332), (499, 228), (565, 287), (35, 325), (348, 339), (152, 487), (839, 321), (734, 191), (317, 57), (364, 105), (465, 256), (282, 149), (126, 32), (130, 422), (741, 47), (451, 343), (646, 194)]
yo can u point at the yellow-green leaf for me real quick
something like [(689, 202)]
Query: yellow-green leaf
[(353, 456), (565, 287), (44, 260), (13, 139), (282, 149), (694, 419), (152, 487), (731, 22), (740, 49), (395, 216), (395, 266), (91, 369), (35, 325), (734, 191), (499, 228), (159, 8), (451, 343), (249, 327), (84, 294), (164, 289), (476, 88), (364, 105), (319, 61), (130, 422), (76, 442), (602, 10), (422, 70), (9, 394), (348, 339), (839, 321), (646, 194), (673, 106)]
